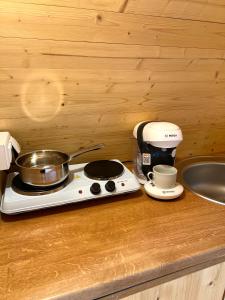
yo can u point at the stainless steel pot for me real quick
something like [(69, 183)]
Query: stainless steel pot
[(47, 167)]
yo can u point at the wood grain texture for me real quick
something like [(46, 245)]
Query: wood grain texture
[(79, 72), (107, 5), (207, 284), (93, 249), (72, 24), (212, 10)]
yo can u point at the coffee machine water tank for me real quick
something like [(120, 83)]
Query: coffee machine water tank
[(156, 144)]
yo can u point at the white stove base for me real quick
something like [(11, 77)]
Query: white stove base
[(76, 191)]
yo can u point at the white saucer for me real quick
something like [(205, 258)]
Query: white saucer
[(163, 194)]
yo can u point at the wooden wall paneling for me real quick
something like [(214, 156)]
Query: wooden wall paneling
[(76, 77), (62, 23), (85, 49), (112, 129), (107, 5), (204, 53), (183, 76), (27, 48), (105, 119), (57, 62), (144, 96), (213, 10), (155, 89), (72, 73), (207, 284), (191, 64)]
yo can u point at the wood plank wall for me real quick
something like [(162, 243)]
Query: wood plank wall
[(77, 72)]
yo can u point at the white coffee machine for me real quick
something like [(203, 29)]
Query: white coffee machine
[(156, 144)]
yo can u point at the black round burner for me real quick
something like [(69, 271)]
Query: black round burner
[(25, 189), (103, 169)]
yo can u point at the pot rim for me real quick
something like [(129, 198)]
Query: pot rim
[(41, 150)]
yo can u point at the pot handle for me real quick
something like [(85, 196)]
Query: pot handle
[(84, 150)]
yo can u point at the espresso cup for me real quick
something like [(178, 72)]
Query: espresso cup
[(163, 176)]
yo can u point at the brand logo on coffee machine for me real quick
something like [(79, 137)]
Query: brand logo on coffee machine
[(170, 135)]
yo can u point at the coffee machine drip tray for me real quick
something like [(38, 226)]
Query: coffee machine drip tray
[(163, 194)]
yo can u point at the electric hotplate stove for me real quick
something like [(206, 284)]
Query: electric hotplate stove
[(97, 179)]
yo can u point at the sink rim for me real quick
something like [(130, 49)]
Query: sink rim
[(188, 163)]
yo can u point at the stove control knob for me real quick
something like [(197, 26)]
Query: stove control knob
[(110, 186), (95, 188)]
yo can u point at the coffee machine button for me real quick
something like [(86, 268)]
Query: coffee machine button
[(110, 186), (95, 188)]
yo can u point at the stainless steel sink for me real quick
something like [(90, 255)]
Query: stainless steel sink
[(205, 176)]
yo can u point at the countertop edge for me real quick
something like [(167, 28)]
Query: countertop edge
[(151, 277)]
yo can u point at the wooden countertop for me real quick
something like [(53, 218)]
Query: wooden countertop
[(89, 250)]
